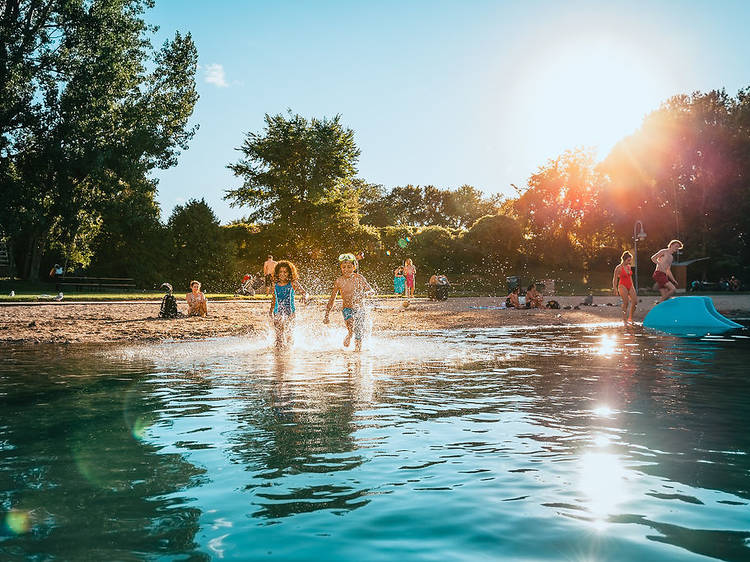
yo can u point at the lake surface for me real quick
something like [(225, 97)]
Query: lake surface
[(519, 444)]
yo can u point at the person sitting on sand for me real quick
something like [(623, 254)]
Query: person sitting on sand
[(286, 282), (534, 298), (196, 300), (511, 301), (665, 281), (432, 287), (353, 288)]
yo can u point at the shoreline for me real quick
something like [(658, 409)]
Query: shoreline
[(138, 322)]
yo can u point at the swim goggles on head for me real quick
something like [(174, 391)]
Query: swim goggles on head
[(347, 257)]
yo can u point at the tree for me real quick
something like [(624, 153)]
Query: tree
[(299, 175), (436, 249), (90, 106), (684, 174), (465, 205), (427, 206), (199, 249), (493, 240), (132, 241), (372, 204), (560, 211)]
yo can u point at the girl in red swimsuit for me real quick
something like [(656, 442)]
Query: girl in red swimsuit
[(622, 283)]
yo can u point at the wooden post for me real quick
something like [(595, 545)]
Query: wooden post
[(680, 274)]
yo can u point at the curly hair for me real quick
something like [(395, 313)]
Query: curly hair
[(293, 276)]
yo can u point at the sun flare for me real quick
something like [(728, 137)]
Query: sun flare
[(590, 92)]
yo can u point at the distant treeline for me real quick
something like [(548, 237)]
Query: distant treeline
[(81, 134)]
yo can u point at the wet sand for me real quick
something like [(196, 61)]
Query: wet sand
[(123, 322)]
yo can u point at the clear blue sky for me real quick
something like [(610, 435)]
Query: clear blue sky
[(444, 93)]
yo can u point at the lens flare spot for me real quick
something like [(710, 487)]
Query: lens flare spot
[(18, 521), (387, 252), (402, 243), (140, 427)]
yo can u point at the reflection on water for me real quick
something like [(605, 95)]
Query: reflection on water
[(543, 443)]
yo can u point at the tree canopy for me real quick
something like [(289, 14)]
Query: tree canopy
[(88, 109)]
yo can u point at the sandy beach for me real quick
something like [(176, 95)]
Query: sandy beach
[(138, 321)]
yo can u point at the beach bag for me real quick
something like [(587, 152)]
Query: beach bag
[(553, 304), (168, 307)]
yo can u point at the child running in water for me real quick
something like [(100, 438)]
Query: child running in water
[(663, 275), (285, 283), (622, 284), (353, 288)]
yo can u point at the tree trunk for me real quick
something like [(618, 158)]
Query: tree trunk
[(36, 244), (11, 261)]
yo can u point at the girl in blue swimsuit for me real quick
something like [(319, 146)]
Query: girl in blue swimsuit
[(286, 282)]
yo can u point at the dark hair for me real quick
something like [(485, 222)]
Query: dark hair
[(532, 286), (625, 255), (290, 267)]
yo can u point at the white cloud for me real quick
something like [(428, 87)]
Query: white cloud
[(215, 75)]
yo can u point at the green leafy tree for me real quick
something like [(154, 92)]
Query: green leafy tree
[(435, 249), (90, 106), (563, 221), (684, 174), (298, 176), (462, 207), (132, 241), (372, 204), (493, 240), (199, 248), (406, 205)]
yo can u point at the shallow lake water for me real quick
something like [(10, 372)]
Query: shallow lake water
[(577, 443)]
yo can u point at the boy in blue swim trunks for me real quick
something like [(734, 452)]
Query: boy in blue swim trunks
[(353, 288)]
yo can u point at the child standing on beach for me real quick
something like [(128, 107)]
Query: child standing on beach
[(353, 288), (665, 281), (622, 284), (411, 276), (399, 281), (285, 283)]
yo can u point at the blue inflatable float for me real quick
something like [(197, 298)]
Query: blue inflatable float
[(688, 315)]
